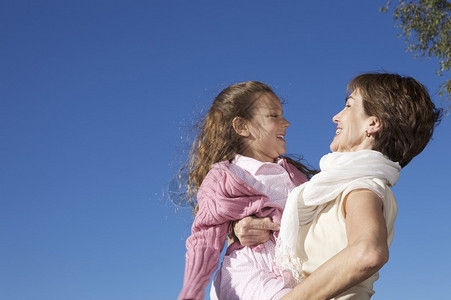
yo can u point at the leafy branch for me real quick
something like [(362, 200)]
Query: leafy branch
[(426, 27)]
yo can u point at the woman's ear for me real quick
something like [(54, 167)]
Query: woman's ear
[(240, 126), (374, 125)]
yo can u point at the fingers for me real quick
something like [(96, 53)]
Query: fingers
[(267, 224), (254, 237), (253, 231), (254, 240), (252, 223)]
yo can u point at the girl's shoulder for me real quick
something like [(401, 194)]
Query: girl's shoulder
[(222, 165), (227, 177), (218, 172)]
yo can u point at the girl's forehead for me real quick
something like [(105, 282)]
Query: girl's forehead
[(268, 101)]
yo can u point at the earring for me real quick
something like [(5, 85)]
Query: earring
[(367, 134)]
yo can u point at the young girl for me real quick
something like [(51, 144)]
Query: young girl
[(236, 170)]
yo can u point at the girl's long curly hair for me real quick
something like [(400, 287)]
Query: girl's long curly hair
[(217, 140)]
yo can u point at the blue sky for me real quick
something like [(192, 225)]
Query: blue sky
[(97, 100)]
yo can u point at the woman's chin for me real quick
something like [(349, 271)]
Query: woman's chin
[(333, 147)]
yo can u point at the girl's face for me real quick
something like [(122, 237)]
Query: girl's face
[(266, 140), (352, 125)]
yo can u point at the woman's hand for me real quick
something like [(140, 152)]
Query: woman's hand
[(252, 231)]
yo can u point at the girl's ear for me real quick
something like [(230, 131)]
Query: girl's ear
[(374, 125), (240, 126)]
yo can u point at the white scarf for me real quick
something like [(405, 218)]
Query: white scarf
[(305, 202)]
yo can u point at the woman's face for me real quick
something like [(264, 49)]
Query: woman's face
[(352, 124)]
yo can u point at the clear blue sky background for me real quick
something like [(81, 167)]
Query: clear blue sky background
[(97, 99)]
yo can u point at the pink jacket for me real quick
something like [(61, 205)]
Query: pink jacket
[(223, 197)]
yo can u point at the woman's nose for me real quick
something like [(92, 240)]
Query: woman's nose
[(336, 118)]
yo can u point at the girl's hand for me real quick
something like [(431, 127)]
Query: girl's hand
[(252, 231)]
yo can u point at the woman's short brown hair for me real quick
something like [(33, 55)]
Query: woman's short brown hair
[(405, 110)]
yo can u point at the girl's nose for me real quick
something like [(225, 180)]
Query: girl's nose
[(285, 123)]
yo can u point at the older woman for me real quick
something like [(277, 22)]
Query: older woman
[(336, 229)]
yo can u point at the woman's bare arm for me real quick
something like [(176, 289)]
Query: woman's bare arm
[(365, 254)]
